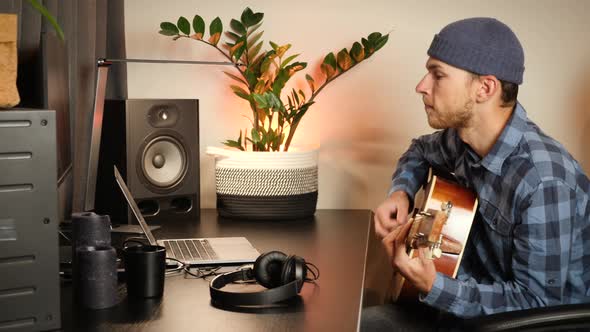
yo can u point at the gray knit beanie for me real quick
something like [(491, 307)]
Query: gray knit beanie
[(481, 45)]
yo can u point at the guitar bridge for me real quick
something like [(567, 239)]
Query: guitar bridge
[(426, 230)]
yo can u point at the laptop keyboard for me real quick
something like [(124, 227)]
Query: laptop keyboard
[(190, 250)]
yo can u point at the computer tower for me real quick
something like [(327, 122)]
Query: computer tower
[(29, 265)]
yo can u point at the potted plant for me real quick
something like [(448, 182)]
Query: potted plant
[(262, 178)]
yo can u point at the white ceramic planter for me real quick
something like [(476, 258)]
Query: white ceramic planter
[(266, 185)]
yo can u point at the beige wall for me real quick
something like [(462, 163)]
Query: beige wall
[(365, 119)]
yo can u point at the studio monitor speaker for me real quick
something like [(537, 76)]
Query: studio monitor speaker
[(155, 145), (29, 264)]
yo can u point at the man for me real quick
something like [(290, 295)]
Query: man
[(530, 243)]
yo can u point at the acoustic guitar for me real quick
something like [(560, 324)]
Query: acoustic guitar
[(442, 226)]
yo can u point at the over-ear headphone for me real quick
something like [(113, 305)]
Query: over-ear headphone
[(282, 274)]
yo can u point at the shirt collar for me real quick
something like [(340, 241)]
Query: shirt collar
[(507, 142)]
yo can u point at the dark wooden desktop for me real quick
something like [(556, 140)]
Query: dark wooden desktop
[(334, 240)]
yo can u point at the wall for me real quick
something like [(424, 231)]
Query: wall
[(365, 119)]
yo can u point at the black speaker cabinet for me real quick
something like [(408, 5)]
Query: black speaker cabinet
[(155, 145), (29, 264)]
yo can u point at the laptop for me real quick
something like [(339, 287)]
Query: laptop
[(195, 251)]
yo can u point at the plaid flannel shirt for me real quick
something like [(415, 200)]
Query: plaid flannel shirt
[(530, 243)]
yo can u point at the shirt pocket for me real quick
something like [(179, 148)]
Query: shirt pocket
[(494, 220)]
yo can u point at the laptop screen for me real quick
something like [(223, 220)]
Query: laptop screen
[(134, 207)]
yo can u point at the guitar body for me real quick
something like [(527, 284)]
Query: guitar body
[(452, 232)]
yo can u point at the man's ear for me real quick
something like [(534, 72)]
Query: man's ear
[(489, 86)]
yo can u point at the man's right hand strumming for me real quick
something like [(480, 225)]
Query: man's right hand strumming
[(392, 213)]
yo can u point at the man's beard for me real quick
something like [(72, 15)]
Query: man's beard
[(460, 118)]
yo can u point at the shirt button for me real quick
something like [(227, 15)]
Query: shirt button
[(551, 281)]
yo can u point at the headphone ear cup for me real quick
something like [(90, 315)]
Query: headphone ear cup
[(268, 268), (294, 268)]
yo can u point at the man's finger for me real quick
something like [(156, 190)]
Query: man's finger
[(389, 239), (387, 244), (402, 235), (387, 222), (402, 212), (379, 230)]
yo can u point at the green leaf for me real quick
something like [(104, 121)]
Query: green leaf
[(255, 38), (273, 100), (266, 64), (240, 92), (251, 77), (255, 136), (282, 50), (239, 79), (234, 144), (328, 70), (249, 18), (232, 36), (253, 29), (169, 26), (215, 29), (199, 26), (260, 85), (295, 96), (302, 95), (184, 25), (257, 18), (274, 46), (357, 52), (237, 26), (344, 60), (270, 138), (167, 33), (254, 51), (289, 59), (329, 66), (369, 47), (330, 59), (238, 53), (310, 82), (284, 74), (47, 15), (374, 37), (381, 42), (246, 16), (260, 100), (237, 49), (366, 43)]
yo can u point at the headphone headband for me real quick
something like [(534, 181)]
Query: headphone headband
[(265, 297)]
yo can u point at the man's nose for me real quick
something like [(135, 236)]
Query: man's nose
[(422, 87)]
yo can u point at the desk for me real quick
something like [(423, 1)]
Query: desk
[(334, 240)]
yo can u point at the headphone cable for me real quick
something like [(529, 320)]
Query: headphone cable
[(316, 276)]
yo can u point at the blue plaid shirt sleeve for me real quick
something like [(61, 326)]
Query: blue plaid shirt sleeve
[(436, 150), (541, 260)]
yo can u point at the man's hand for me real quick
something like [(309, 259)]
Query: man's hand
[(419, 271), (392, 213)]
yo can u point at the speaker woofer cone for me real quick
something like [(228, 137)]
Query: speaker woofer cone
[(164, 162)]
